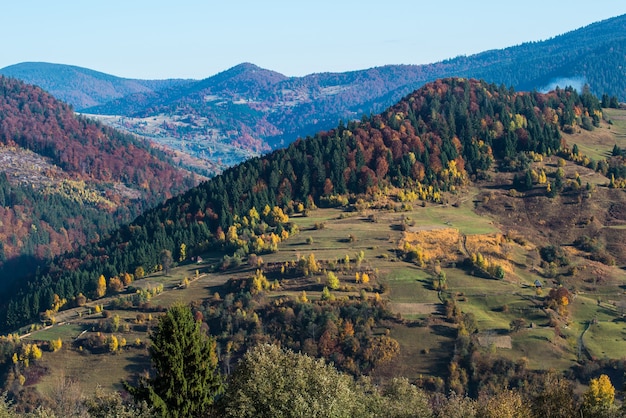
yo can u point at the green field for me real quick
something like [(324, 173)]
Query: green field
[(462, 217), (66, 332), (598, 144)]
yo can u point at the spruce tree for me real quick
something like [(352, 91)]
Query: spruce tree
[(185, 380)]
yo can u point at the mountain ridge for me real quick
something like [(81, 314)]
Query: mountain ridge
[(79, 86), (247, 110)]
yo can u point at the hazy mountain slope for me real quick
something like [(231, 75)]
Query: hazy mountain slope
[(82, 87), (246, 110), (252, 108), (65, 180)]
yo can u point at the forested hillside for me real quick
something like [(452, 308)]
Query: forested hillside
[(67, 180), (435, 140)]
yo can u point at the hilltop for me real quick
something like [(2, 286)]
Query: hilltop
[(82, 87), (67, 180)]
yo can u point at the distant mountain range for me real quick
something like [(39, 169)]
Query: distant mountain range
[(82, 87), (248, 110)]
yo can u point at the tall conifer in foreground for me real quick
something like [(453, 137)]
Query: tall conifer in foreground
[(186, 379)]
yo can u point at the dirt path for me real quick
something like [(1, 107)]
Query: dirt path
[(82, 312)]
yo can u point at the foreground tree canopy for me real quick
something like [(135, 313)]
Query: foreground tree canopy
[(271, 382)]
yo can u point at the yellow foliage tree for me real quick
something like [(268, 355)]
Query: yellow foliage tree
[(58, 303), (55, 345), (35, 352), (278, 216), (303, 298), (259, 282), (599, 397), (543, 178), (332, 281), (231, 235), (112, 343), (312, 265), (182, 252), (127, 279), (139, 272), (506, 404), (101, 286), (254, 215)]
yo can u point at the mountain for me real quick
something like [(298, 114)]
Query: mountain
[(246, 110), (251, 109), (82, 87), (67, 180), (432, 143)]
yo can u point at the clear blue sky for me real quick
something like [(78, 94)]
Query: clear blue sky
[(195, 39)]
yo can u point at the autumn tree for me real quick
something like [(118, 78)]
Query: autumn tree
[(139, 272), (182, 252), (332, 281), (555, 398), (101, 286), (127, 279), (116, 285), (55, 345), (185, 380), (112, 343), (505, 404), (598, 400)]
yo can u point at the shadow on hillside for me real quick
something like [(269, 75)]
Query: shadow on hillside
[(444, 330), (137, 364), (15, 269)]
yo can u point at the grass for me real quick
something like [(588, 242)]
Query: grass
[(542, 349), (91, 371), (65, 332), (410, 284), (462, 217), (598, 144), (605, 339), (423, 351)]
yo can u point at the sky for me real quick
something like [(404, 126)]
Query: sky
[(157, 39)]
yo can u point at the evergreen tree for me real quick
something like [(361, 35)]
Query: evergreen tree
[(186, 380)]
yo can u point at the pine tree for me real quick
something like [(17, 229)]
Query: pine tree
[(186, 381)]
